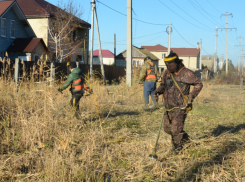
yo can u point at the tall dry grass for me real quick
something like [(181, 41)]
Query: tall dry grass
[(41, 140)]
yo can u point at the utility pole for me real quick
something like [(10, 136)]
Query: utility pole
[(101, 56), (115, 48), (239, 63), (226, 69), (169, 37), (129, 44), (200, 64), (216, 55), (92, 39), (242, 61), (227, 38)]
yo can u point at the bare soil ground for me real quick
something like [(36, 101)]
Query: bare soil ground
[(40, 140)]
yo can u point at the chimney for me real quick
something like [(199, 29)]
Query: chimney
[(197, 45)]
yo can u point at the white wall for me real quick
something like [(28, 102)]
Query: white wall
[(106, 61)]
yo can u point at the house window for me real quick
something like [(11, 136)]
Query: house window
[(12, 29), (74, 37), (4, 27), (36, 57), (163, 56)]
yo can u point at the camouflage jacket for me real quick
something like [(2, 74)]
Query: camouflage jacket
[(172, 96)]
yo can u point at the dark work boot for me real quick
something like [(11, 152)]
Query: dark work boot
[(186, 138)]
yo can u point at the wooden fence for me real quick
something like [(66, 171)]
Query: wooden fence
[(28, 68)]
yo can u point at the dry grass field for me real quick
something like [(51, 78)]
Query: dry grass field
[(40, 140)]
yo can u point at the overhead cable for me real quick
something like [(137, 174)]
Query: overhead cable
[(190, 15), (198, 9), (183, 18), (132, 18), (182, 36), (187, 41), (214, 6)]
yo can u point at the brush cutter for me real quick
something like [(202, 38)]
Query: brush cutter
[(154, 155)]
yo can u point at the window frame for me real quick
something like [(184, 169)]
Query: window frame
[(5, 36), (163, 55), (13, 37)]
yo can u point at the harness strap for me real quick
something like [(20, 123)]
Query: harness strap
[(184, 96)]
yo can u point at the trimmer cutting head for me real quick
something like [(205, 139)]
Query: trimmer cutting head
[(153, 156)]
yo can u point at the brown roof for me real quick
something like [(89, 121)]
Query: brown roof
[(136, 50), (42, 8), (4, 6), (156, 48), (148, 53), (26, 45), (186, 52)]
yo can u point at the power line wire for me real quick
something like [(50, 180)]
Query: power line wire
[(134, 38), (214, 7), (206, 11), (190, 15), (182, 17), (182, 36), (187, 41), (198, 9), (132, 18)]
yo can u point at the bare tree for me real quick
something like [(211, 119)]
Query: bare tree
[(62, 28)]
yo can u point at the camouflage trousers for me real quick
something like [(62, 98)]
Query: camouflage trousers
[(174, 125)]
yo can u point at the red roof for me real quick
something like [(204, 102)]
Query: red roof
[(42, 8), (4, 6), (156, 48), (26, 45), (186, 52), (105, 53)]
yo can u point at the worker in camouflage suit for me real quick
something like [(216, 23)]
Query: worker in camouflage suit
[(76, 79), (148, 76), (175, 87)]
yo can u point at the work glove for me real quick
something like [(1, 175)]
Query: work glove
[(59, 90), (139, 81), (189, 101)]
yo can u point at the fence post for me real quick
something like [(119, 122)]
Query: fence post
[(52, 72), (241, 85), (16, 72)]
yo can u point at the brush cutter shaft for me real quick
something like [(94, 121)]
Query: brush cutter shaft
[(159, 131), (131, 95)]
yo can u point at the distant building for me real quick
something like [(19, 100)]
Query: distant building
[(138, 57), (190, 56), (42, 14), (108, 57), (160, 52), (13, 25), (28, 49)]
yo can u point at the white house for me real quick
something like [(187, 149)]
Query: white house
[(108, 57)]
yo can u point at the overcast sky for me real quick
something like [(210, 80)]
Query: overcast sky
[(192, 21)]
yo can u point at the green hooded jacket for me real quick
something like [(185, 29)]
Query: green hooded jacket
[(143, 72), (75, 74)]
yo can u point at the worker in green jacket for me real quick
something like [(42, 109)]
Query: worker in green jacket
[(76, 79), (148, 75)]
